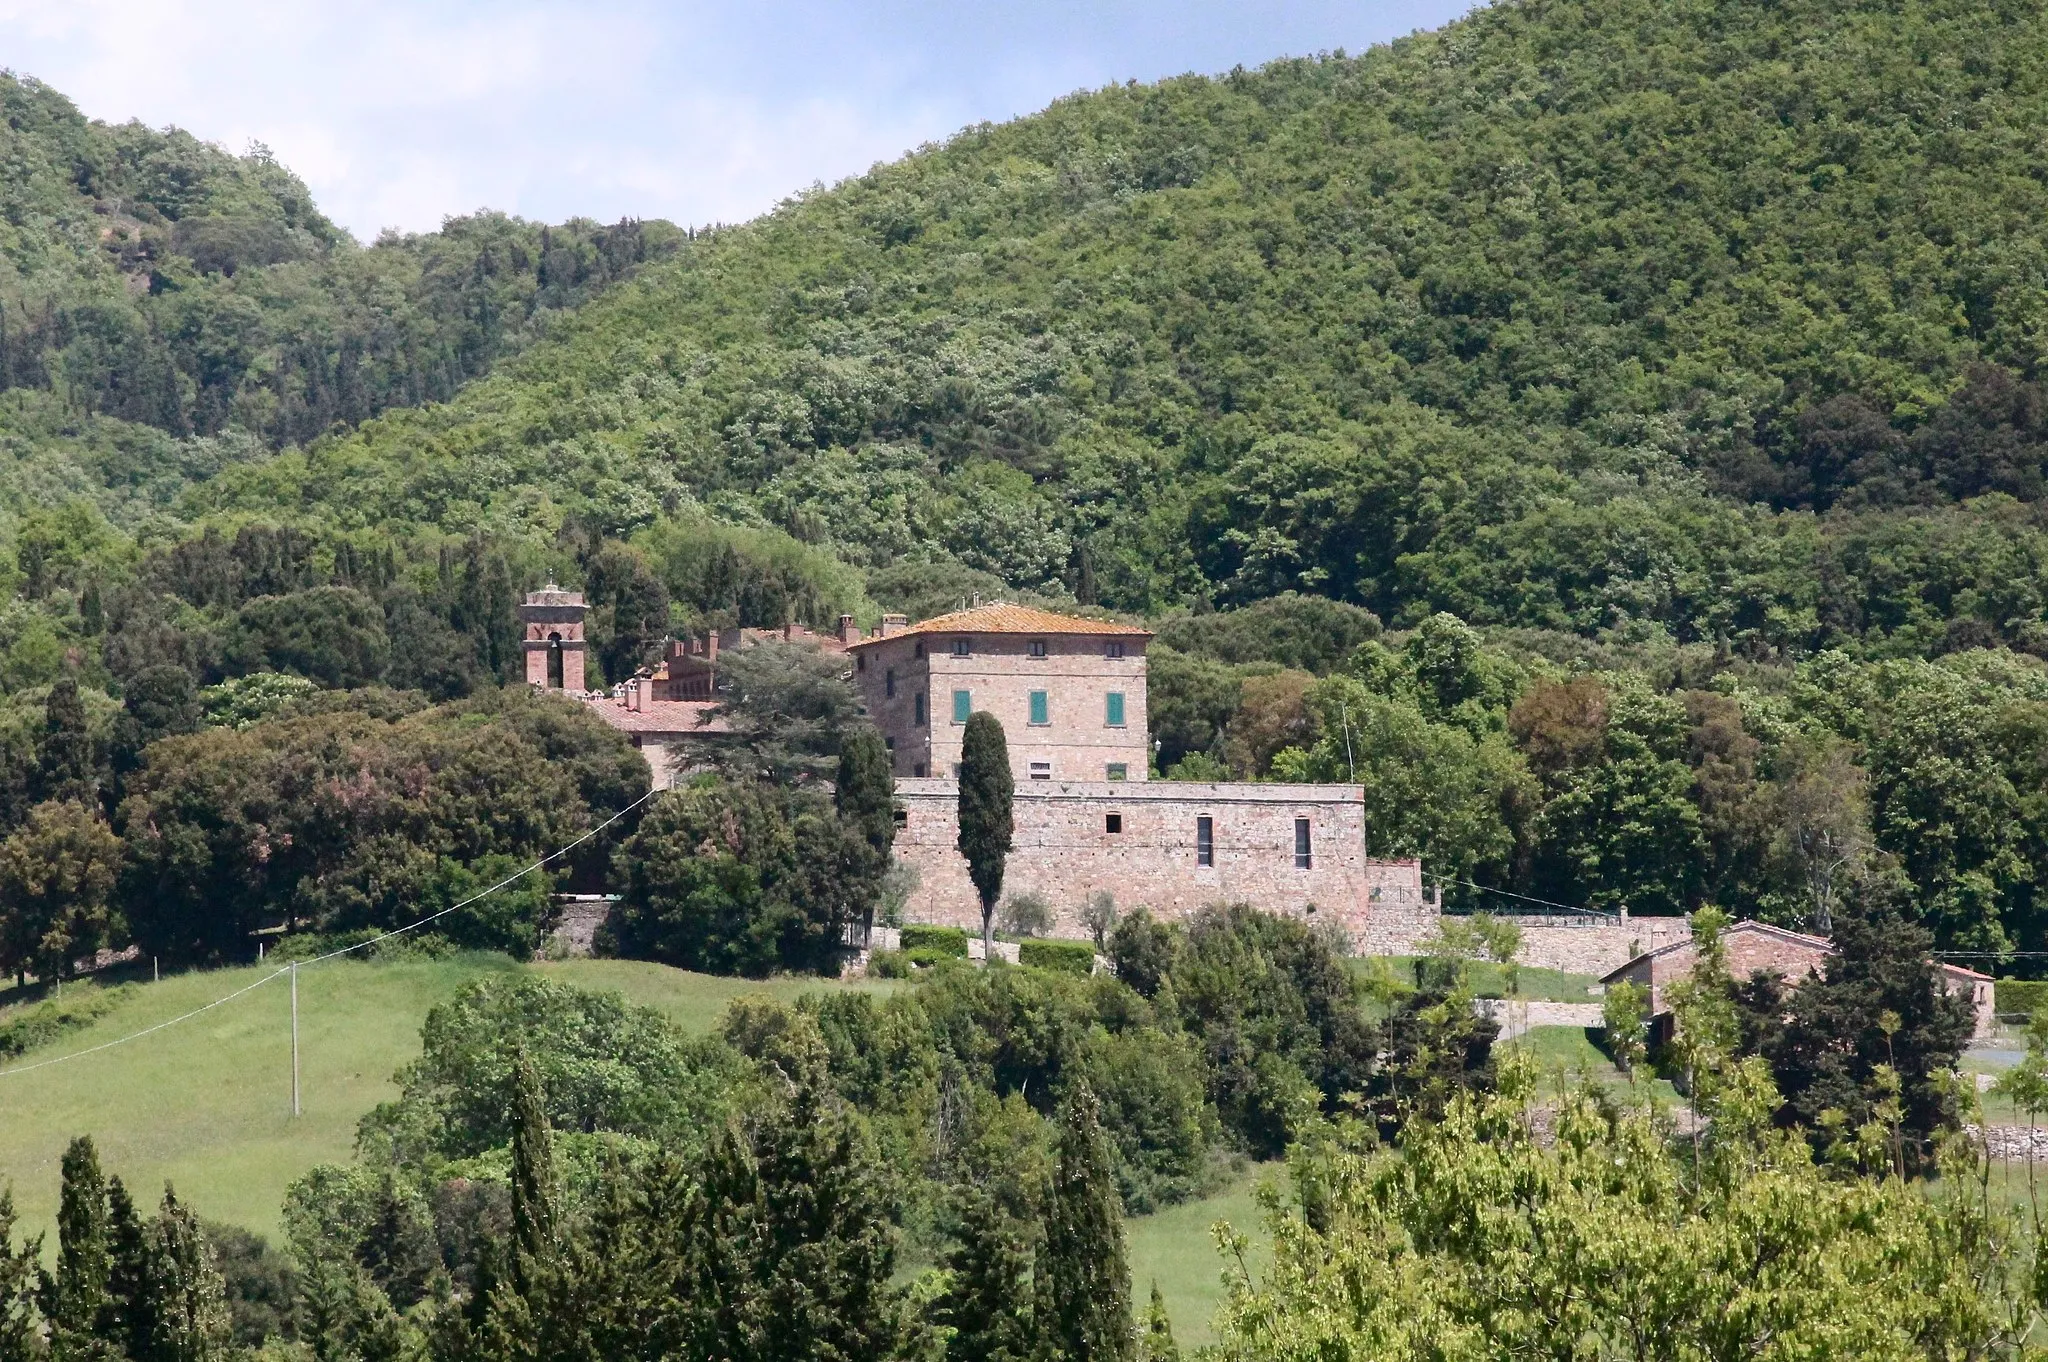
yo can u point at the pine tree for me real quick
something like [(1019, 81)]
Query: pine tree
[(987, 788), (19, 1329), (75, 1299), (987, 1302), (1082, 1296), (64, 759)]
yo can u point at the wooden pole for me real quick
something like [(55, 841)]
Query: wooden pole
[(295, 1038)]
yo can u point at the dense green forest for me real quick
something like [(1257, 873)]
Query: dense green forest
[(1614, 433)]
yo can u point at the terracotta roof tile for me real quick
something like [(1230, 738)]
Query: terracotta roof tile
[(659, 716), (1000, 617)]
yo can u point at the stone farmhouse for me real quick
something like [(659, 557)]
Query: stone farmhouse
[(1760, 947)]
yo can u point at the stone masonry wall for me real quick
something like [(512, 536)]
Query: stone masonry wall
[(1065, 850), (1076, 743)]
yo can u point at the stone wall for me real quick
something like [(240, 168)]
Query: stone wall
[(1076, 743), (1594, 945), (1065, 849)]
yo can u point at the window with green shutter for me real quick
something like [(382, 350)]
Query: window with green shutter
[(963, 706), (1041, 712), (1115, 709)]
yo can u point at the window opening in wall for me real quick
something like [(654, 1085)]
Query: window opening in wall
[(1303, 860), (1113, 709), (902, 817), (917, 710), (918, 770), (963, 705), (1041, 770), (963, 647), (860, 664), (1429, 893), (889, 683), (889, 743), (917, 650), (1112, 822), (1205, 840), (1041, 710), (1038, 647), (1118, 771), (1112, 650)]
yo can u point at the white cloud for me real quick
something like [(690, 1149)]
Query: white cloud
[(398, 114)]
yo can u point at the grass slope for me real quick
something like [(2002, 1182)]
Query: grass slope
[(1175, 1248), (207, 1104)]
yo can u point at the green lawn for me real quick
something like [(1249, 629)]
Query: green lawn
[(207, 1104), (1175, 1248), (1567, 1056), (1490, 980)]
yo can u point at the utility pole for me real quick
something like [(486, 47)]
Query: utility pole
[(295, 1038)]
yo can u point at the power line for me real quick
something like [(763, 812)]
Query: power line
[(1509, 893), (333, 954)]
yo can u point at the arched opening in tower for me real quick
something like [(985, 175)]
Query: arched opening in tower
[(554, 661)]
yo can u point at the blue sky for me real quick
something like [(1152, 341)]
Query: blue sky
[(400, 113)]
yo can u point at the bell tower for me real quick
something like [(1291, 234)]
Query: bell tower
[(551, 630)]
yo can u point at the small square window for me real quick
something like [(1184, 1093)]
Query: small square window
[(1113, 709), (1113, 822), (1038, 647), (902, 817), (963, 706), (860, 664), (1112, 650), (1118, 770), (889, 743), (963, 647), (1205, 840), (1041, 770), (918, 649), (1041, 708), (918, 770)]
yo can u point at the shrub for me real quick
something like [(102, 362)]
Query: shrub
[(890, 965), (1067, 957), (2021, 997), (943, 940), (926, 957), (1027, 914)]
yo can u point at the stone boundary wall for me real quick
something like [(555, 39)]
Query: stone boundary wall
[(1595, 946), (1065, 849), (1516, 1016)]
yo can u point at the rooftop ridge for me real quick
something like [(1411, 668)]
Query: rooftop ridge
[(1005, 617)]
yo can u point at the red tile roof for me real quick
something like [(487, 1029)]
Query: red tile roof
[(1000, 617)]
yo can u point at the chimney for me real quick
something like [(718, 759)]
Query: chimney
[(847, 633), (894, 624), (711, 645)]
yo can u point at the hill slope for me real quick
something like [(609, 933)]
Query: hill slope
[(153, 286), (1574, 315)]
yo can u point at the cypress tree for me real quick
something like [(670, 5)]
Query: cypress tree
[(130, 1319), (986, 826), (534, 1226), (865, 794), (1157, 1334), (987, 1302), (1082, 1296), (18, 1326), (64, 762), (186, 1293), (75, 1300)]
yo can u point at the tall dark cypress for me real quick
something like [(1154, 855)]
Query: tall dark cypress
[(987, 1302), (75, 1298), (130, 1319), (64, 760), (1082, 1286), (534, 1226), (986, 826), (865, 794)]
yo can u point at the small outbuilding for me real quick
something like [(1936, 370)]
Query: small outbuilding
[(1790, 955)]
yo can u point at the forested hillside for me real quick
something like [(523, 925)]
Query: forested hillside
[(1717, 318), (153, 286)]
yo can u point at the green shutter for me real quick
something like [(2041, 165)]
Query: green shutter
[(1116, 709), (1039, 710), (963, 706)]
